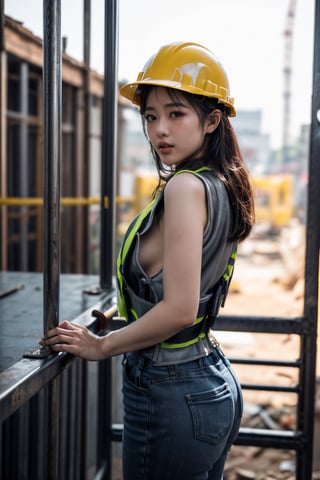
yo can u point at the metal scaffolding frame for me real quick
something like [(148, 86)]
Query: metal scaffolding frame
[(52, 374)]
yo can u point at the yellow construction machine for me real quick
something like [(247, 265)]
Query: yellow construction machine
[(274, 203)]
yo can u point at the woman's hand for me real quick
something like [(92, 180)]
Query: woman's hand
[(75, 339)]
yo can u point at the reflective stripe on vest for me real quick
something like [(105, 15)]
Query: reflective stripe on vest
[(126, 244), (202, 324)]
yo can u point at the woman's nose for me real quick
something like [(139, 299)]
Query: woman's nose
[(163, 128)]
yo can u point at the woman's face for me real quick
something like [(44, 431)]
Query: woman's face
[(174, 128)]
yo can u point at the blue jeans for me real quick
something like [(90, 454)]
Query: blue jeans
[(179, 420)]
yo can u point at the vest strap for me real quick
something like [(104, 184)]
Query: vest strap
[(209, 309), (187, 334)]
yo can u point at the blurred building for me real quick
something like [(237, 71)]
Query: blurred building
[(254, 145)]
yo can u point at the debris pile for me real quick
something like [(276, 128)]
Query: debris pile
[(256, 463)]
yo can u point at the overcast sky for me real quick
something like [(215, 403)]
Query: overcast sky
[(246, 35)]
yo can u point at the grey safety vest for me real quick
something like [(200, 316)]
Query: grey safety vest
[(138, 292)]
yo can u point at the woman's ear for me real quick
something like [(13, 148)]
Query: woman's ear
[(213, 120)]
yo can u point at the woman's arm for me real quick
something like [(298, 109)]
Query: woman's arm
[(184, 221)]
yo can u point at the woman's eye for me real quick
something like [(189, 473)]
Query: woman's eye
[(149, 117), (176, 114)]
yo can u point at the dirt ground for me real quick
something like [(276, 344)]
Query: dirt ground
[(266, 282)]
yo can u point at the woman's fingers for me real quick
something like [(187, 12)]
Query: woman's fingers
[(73, 338), (65, 328)]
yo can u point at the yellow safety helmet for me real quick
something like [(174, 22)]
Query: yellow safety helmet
[(185, 66)]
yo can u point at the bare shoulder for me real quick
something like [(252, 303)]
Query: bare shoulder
[(186, 185)]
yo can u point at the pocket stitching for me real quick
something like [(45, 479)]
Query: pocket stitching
[(222, 393)]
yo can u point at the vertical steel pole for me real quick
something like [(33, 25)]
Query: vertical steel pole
[(3, 156), (87, 33), (23, 160), (51, 158), (109, 145), (309, 341), (86, 132), (107, 235)]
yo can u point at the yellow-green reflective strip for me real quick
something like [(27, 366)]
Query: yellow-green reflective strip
[(123, 252), (184, 344), (198, 170), (138, 223), (230, 266), (198, 320), (189, 342), (134, 314)]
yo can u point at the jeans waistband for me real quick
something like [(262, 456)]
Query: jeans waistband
[(174, 356)]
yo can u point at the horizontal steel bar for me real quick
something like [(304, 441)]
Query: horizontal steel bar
[(297, 325), (38, 201), (116, 432), (270, 438), (266, 363), (17, 117), (26, 378), (270, 388), (248, 436)]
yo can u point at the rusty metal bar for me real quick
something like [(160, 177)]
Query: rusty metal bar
[(109, 144), (52, 159), (52, 91), (38, 201)]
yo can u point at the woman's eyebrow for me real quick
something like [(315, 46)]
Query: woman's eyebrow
[(168, 105)]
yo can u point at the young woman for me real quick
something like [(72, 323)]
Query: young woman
[(182, 401)]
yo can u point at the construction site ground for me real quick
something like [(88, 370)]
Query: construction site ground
[(268, 281)]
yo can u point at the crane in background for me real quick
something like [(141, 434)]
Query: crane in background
[(287, 72), (274, 193)]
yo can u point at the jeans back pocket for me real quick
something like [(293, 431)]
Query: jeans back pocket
[(212, 413)]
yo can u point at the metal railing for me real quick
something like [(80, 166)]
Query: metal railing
[(47, 411), (54, 413), (65, 201)]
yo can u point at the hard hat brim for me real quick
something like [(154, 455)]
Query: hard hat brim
[(129, 91)]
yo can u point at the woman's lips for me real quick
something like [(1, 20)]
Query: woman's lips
[(165, 147)]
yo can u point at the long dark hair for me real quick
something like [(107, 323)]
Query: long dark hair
[(221, 154)]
